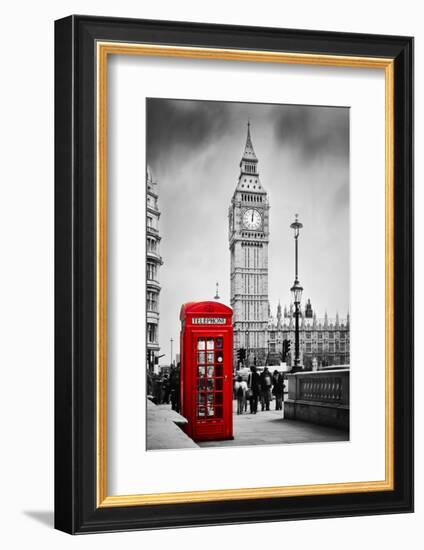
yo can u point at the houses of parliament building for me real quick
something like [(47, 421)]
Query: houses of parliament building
[(323, 341)]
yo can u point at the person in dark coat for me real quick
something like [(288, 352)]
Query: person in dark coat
[(278, 389), (157, 389), (266, 385), (254, 389), (174, 387), (165, 389)]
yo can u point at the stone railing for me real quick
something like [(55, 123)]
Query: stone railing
[(321, 397), (330, 386)]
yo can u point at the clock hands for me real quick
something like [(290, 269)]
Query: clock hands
[(255, 218)]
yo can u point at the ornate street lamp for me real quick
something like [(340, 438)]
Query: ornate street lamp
[(296, 291)]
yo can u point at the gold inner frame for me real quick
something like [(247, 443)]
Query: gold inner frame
[(104, 49)]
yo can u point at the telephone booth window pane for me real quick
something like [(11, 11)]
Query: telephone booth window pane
[(200, 411), (210, 371), (210, 404), (210, 343), (210, 384), (218, 383), (201, 371), (219, 356), (218, 412), (201, 356), (201, 384), (210, 357), (219, 343), (218, 370), (201, 344), (201, 399), (218, 398)]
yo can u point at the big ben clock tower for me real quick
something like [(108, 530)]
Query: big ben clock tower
[(249, 238)]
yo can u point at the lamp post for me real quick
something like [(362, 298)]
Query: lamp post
[(296, 291), (172, 341), (247, 348)]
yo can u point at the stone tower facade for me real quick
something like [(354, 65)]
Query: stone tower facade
[(248, 217), (153, 263)]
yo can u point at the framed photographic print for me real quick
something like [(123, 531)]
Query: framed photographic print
[(234, 274)]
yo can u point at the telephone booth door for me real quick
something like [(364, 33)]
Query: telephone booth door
[(209, 371), (206, 362)]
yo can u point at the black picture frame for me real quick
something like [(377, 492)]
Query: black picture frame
[(76, 509)]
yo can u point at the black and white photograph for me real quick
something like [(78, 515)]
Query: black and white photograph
[(208, 213), (247, 274)]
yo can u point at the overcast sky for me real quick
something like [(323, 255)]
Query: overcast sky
[(194, 149)]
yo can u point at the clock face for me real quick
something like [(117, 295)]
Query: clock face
[(252, 219)]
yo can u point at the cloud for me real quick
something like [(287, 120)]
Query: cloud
[(182, 124), (314, 132)]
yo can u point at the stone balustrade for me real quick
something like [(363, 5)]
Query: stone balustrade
[(321, 397)]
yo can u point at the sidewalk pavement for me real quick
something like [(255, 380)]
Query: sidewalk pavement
[(263, 428), (270, 428), (162, 430)]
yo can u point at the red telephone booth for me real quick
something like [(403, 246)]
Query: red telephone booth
[(206, 370)]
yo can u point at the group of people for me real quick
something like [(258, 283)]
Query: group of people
[(259, 388), (165, 389)]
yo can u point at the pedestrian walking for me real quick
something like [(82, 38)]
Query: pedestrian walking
[(283, 385), (266, 385), (254, 388), (240, 387), (174, 386), (278, 389), (157, 389), (165, 389)]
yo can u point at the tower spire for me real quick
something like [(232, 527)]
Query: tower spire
[(279, 314), (249, 174), (249, 152)]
